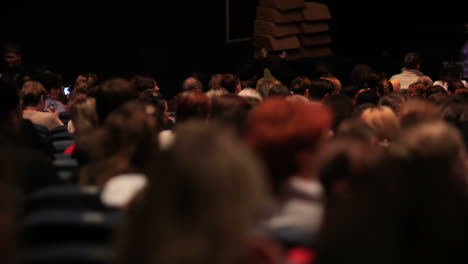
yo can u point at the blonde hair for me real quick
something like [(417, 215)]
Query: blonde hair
[(383, 120), (31, 93)]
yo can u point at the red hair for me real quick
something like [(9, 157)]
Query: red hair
[(278, 130)]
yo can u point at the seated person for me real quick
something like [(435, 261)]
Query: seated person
[(32, 100)]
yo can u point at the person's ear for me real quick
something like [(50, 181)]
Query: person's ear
[(307, 93)]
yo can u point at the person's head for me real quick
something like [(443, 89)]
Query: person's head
[(357, 130), (90, 79), (12, 55), (83, 116), (438, 98), (455, 113), (366, 97), (416, 111), (281, 132), (192, 105), (156, 99), (231, 83), (215, 81), (279, 90), (393, 100), (192, 84), (417, 90), (231, 111), (440, 147), (321, 88), (412, 60), (201, 201), (454, 85), (384, 121), (52, 83), (343, 162), (336, 82), (32, 94), (123, 144), (435, 89), (301, 85), (110, 95), (384, 87), (142, 83)]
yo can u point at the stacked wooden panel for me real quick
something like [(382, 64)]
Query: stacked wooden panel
[(297, 27)]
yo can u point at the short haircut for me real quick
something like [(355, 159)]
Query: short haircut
[(192, 105), (411, 60), (300, 84), (321, 87), (192, 84), (230, 82), (31, 93), (417, 89), (110, 95)]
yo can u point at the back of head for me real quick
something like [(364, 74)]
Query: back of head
[(393, 100), (279, 90), (367, 97), (192, 105), (454, 85), (383, 120), (83, 115), (230, 82), (191, 211), (435, 89), (142, 83), (411, 60), (279, 130), (230, 110), (355, 129), (343, 162), (90, 79), (110, 95), (300, 85), (417, 90), (31, 93), (436, 144), (320, 88), (384, 87), (192, 84), (122, 145), (215, 81), (416, 111)]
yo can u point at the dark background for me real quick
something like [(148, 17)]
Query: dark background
[(169, 40)]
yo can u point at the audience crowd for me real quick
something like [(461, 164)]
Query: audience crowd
[(255, 166)]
